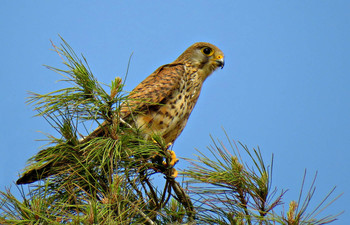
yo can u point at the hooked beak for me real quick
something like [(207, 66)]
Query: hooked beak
[(220, 62)]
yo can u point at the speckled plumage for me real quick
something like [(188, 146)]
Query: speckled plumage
[(163, 102)]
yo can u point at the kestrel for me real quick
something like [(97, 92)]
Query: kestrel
[(163, 102)]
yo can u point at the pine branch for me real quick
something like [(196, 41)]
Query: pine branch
[(227, 190), (107, 178)]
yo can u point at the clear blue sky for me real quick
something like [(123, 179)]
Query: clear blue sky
[(285, 86)]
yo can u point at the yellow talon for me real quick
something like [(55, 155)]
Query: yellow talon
[(173, 158), (174, 173)]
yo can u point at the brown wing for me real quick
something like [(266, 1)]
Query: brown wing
[(154, 89), (150, 92)]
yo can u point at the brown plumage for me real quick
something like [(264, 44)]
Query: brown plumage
[(163, 102)]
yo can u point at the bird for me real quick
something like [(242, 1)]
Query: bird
[(162, 103)]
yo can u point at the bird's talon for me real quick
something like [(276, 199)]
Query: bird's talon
[(173, 158), (174, 173)]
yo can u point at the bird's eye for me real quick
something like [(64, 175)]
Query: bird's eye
[(207, 51)]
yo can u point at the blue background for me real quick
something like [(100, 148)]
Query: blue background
[(285, 86)]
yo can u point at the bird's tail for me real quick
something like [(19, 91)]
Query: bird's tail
[(56, 161), (49, 161), (36, 174)]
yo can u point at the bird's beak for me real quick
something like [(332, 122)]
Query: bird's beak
[(220, 61)]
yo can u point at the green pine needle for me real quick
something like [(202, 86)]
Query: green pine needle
[(113, 178)]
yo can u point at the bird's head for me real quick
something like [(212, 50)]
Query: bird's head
[(204, 56)]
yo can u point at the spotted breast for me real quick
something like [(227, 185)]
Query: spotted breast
[(170, 117)]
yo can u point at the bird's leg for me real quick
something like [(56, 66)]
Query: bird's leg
[(165, 166), (173, 160)]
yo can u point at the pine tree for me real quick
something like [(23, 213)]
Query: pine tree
[(110, 179)]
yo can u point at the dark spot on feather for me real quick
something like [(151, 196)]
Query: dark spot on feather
[(164, 88)]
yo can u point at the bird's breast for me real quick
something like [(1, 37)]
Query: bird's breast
[(170, 118)]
